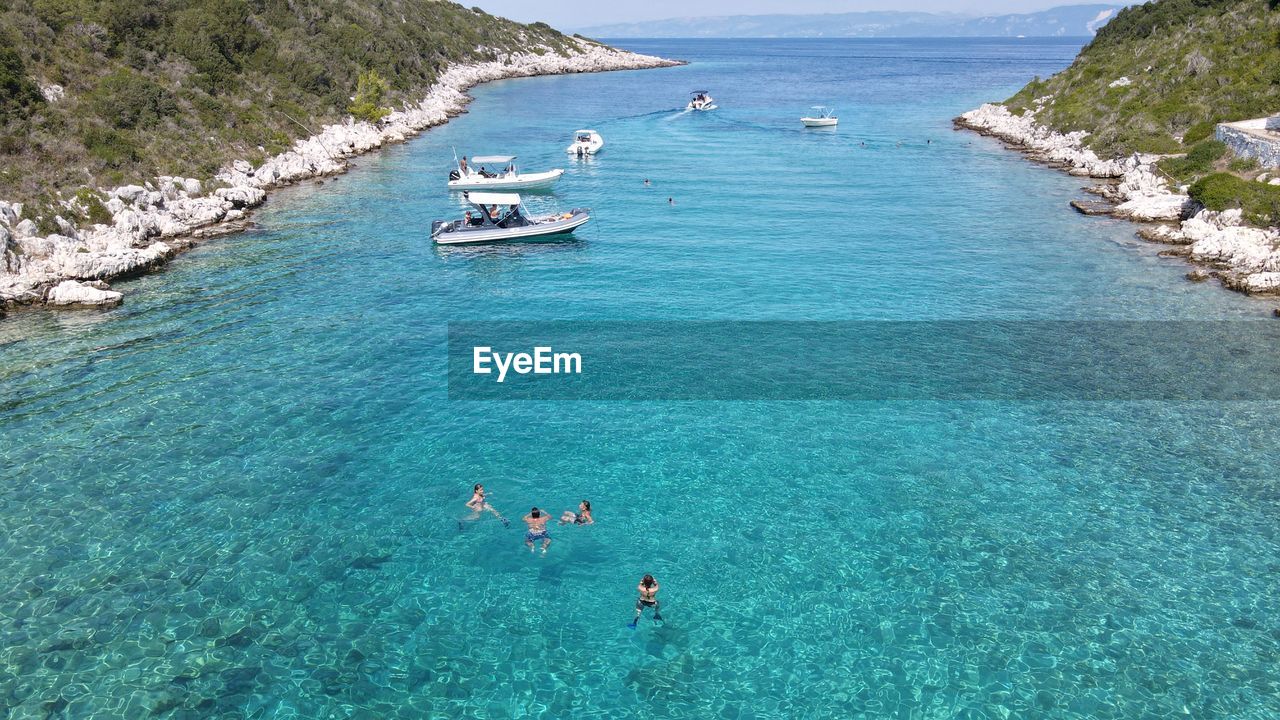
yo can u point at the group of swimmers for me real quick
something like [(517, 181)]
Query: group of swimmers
[(537, 520)]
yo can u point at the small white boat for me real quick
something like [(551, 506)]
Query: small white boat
[(702, 100), (499, 217), (823, 118), (585, 142), (475, 174)]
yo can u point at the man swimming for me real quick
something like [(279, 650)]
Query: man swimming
[(478, 504), (648, 588), (537, 522)]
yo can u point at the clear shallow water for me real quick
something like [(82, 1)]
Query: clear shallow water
[(236, 495)]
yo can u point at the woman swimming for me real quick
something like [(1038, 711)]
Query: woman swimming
[(478, 504), (582, 517)]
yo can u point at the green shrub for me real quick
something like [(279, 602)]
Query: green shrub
[(371, 90), (127, 99), (1224, 191), (17, 91), (40, 214), (114, 148), (95, 211), (1198, 132), (1242, 164)]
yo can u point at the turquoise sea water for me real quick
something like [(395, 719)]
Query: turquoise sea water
[(237, 495)]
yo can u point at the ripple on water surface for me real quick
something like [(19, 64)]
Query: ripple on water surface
[(239, 494)]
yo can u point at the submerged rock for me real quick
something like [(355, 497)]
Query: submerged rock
[(1093, 207)]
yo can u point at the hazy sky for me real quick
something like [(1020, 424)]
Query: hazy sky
[(581, 13)]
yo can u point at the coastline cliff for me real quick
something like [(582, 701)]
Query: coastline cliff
[(1139, 108), (198, 127)]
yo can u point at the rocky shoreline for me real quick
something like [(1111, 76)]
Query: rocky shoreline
[(152, 223), (1243, 258)]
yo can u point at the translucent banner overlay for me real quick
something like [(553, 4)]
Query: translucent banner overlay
[(865, 360)]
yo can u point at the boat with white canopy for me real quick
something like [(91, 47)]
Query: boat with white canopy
[(702, 100), (500, 217), (825, 117), (585, 142), (498, 172)]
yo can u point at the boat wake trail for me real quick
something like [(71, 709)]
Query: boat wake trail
[(624, 118)]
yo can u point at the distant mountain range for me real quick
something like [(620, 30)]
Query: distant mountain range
[(1066, 21)]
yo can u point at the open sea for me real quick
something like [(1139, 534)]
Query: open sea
[(239, 494)]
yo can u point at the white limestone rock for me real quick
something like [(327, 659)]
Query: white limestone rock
[(129, 193), (1120, 82), (242, 197), (52, 93), (1052, 146), (70, 293), (1263, 282)]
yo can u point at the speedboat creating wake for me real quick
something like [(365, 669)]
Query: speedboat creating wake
[(476, 175), (499, 217), (702, 100)]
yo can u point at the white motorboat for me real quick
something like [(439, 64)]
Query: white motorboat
[(499, 217), (475, 174), (585, 142), (702, 100), (823, 118)]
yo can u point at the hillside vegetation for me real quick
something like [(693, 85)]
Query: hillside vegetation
[(1191, 64), (179, 87)]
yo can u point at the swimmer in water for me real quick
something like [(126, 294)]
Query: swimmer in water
[(582, 517), (671, 201), (479, 504), (537, 522), (648, 588), (646, 182)]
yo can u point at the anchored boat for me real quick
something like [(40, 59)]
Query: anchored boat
[(498, 172), (499, 217), (585, 142), (825, 117), (702, 100)]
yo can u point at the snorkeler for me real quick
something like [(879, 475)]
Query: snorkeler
[(648, 588), (537, 522), (582, 517), (478, 504)]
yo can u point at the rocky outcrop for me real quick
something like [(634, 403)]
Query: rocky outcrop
[(70, 293), (1244, 258), (1066, 151), (152, 222)]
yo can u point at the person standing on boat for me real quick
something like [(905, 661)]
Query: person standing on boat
[(648, 589), (462, 164), (537, 522)]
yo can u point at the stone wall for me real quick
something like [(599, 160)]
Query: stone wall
[(1249, 139)]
